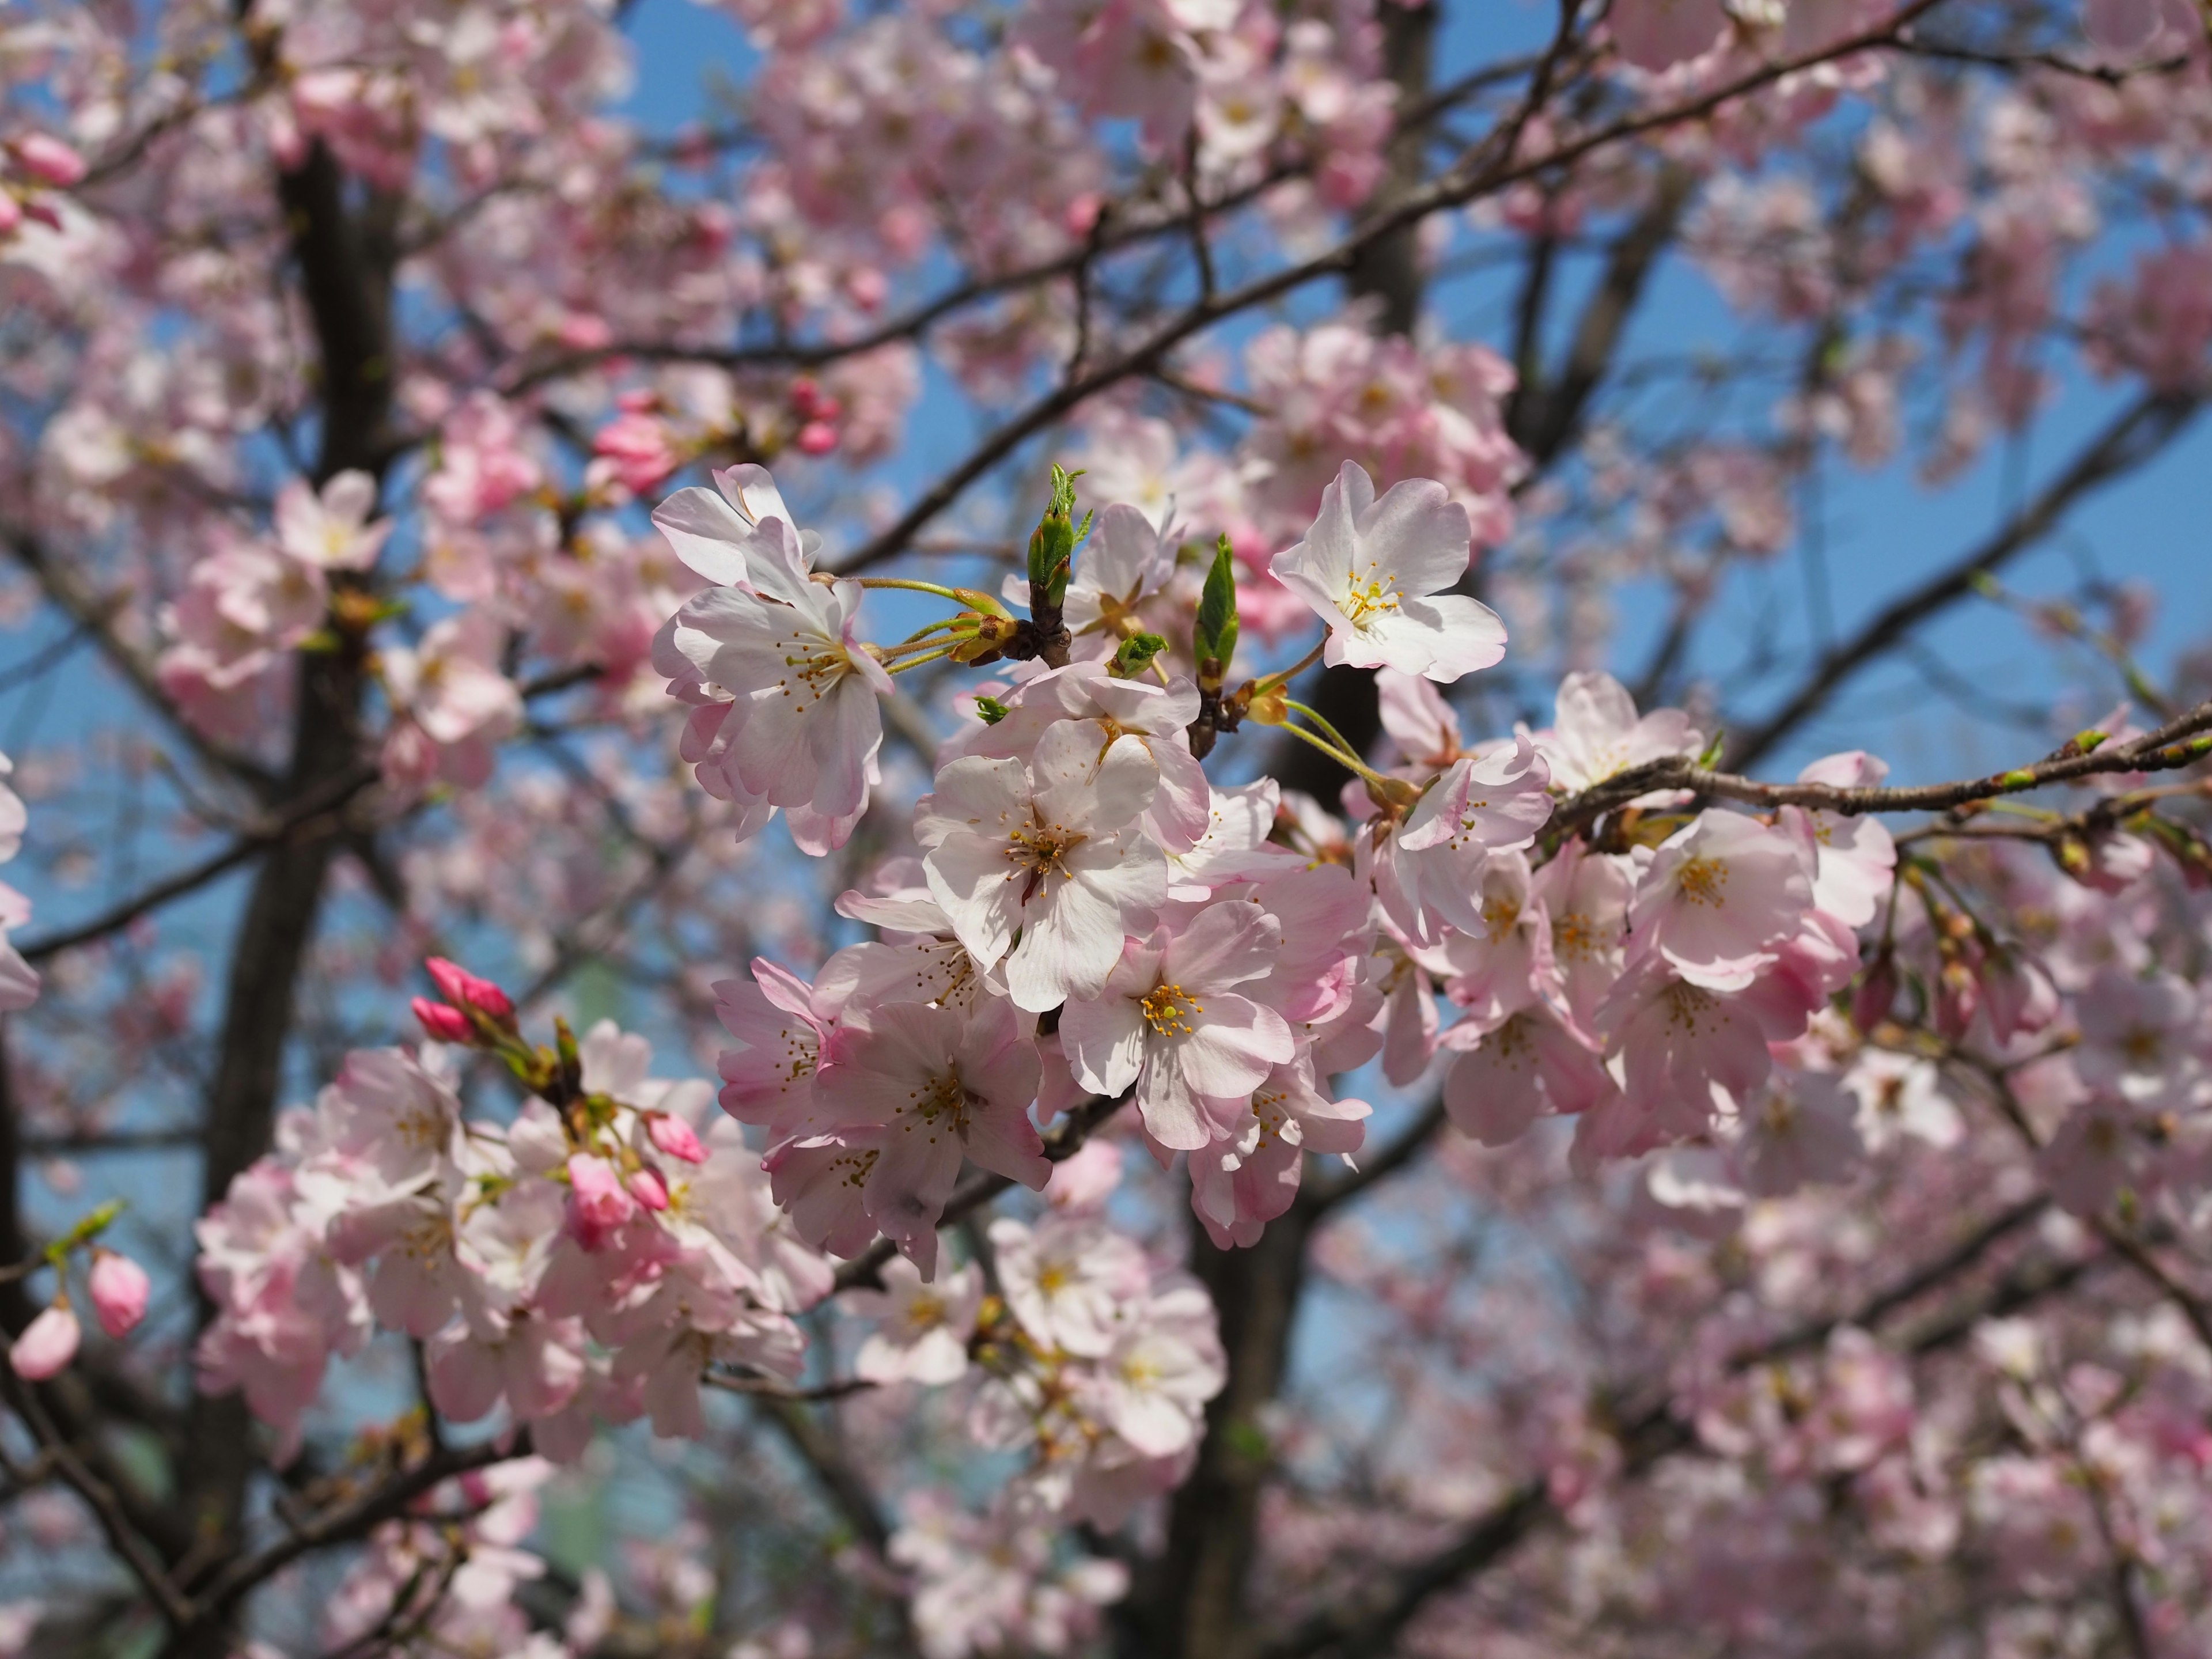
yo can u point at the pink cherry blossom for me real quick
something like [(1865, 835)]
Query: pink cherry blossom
[(330, 529), (930, 1086), (1721, 894), (922, 1329), (1049, 850), (1167, 1021), (1598, 733), (1375, 571)]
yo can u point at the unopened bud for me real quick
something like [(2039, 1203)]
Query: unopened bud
[(48, 160), (465, 990), (47, 1344), (646, 1186), (1877, 992), (120, 1291), (445, 1024), (673, 1136)]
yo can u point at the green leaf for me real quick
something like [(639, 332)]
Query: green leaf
[(991, 710), (1214, 639), (1135, 655)]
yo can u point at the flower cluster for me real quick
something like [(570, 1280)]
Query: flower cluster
[(1085, 915), (589, 1260), (248, 605), (1091, 1359), (993, 1583)]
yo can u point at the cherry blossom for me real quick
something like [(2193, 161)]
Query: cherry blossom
[(1375, 571), (1167, 1020), (1050, 850)]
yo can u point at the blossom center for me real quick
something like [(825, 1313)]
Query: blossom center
[(1701, 879), (1575, 938), (1039, 848), (1688, 1005), (1168, 1009), (816, 665), (1363, 599), (941, 1102)]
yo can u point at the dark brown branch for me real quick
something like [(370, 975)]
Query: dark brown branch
[(309, 821), (341, 1523), (344, 253), (2139, 432), (1319, 1198), (1456, 189), (99, 1496), (2177, 743)]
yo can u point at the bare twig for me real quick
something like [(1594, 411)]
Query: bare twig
[(2178, 743)]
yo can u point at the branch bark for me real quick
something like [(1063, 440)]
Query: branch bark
[(2137, 435), (344, 254)]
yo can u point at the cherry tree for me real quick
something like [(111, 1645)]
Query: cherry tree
[(1079, 835)]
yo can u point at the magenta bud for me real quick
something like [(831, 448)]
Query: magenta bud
[(674, 1137), (48, 160), (1876, 994), (446, 1024), (465, 990), (816, 438), (646, 1186)]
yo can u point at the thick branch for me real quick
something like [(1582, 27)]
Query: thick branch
[(2180, 742), (2134, 437), (306, 822)]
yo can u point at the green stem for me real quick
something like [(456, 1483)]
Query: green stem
[(1295, 669), (1342, 756), (915, 662), (913, 587), (1319, 720)]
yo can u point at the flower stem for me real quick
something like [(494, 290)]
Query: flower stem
[(913, 587), (1285, 676), (1342, 756)]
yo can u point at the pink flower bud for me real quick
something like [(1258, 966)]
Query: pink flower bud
[(816, 438), (465, 990), (646, 1186), (598, 1205), (119, 1291), (11, 213), (48, 160), (804, 394), (673, 1136), (444, 1024), (47, 1344)]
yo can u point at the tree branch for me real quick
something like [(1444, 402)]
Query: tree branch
[(2177, 743), (2134, 437)]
